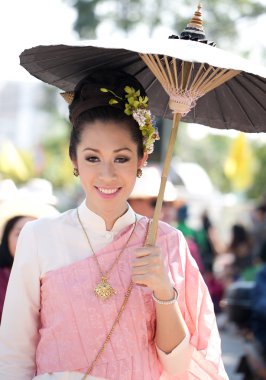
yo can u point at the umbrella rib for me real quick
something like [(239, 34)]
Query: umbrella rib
[(169, 71), (227, 84), (175, 72), (189, 75), (201, 68), (161, 69), (256, 99), (202, 78), (221, 77), (153, 82), (220, 105)]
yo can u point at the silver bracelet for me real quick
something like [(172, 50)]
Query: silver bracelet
[(169, 302)]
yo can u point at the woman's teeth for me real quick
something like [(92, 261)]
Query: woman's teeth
[(107, 191)]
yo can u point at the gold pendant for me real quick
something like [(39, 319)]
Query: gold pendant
[(104, 290)]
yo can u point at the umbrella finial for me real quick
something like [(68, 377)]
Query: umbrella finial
[(194, 29), (196, 21)]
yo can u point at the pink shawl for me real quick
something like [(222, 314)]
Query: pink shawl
[(67, 301)]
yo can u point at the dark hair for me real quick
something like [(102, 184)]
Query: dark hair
[(263, 252), (6, 259), (261, 208), (90, 104), (105, 114), (239, 235)]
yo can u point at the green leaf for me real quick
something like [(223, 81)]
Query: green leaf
[(128, 111), (128, 89), (113, 101)]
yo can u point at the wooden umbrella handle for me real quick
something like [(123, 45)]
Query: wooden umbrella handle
[(151, 238)]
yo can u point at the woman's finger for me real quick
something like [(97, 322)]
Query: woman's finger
[(140, 279), (145, 269), (141, 252), (145, 260)]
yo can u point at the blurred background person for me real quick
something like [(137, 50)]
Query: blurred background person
[(190, 235), (144, 195), (208, 240), (232, 264), (17, 207), (215, 286), (258, 229), (8, 244), (258, 319)]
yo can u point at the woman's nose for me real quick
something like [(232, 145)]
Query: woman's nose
[(107, 171)]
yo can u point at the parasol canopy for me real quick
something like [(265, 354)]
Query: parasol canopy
[(239, 103)]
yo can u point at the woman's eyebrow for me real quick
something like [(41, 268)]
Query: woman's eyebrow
[(115, 151), (88, 148), (119, 150)]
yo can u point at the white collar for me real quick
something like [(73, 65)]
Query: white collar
[(95, 223)]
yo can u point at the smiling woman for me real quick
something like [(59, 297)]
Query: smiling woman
[(94, 301), (107, 162)]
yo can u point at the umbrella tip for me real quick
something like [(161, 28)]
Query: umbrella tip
[(194, 30)]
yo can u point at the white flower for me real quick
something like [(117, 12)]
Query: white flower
[(140, 116)]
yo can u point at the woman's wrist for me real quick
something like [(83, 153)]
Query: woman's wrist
[(164, 294), (166, 301)]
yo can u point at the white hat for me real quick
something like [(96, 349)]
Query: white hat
[(39, 189), (8, 189), (148, 186), (25, 206)]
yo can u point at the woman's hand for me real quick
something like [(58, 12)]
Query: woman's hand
[(148, 269)]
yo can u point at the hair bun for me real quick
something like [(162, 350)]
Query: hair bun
[(88, 92)]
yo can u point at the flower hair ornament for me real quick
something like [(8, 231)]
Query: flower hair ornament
[(137, 107)]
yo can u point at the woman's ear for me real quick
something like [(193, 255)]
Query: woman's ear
[(143, 160), (74, 163)]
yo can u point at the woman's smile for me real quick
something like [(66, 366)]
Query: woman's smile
[(108, 192)]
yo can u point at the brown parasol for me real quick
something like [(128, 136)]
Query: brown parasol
[(185, 78)]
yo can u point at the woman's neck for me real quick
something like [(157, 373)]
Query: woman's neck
[(109, 216)]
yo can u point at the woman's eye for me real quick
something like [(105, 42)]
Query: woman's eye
[(92, 159), (121, 160)]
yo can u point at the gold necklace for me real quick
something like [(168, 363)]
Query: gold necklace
[(104, 290)]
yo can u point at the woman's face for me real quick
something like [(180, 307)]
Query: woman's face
[(107, 161), (14, 233)]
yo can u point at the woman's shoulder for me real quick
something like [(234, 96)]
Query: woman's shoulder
[(164, 230)]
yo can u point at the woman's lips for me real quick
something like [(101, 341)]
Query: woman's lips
[(108, 192)]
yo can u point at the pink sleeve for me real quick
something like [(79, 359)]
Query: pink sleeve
[(197, 309)]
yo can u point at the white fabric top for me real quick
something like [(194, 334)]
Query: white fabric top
[(19, 329)]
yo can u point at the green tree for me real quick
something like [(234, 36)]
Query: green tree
[(209, 152), (258, 187), (56, 166)]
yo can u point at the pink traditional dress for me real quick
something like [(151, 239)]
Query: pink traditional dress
[(55, 329)]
